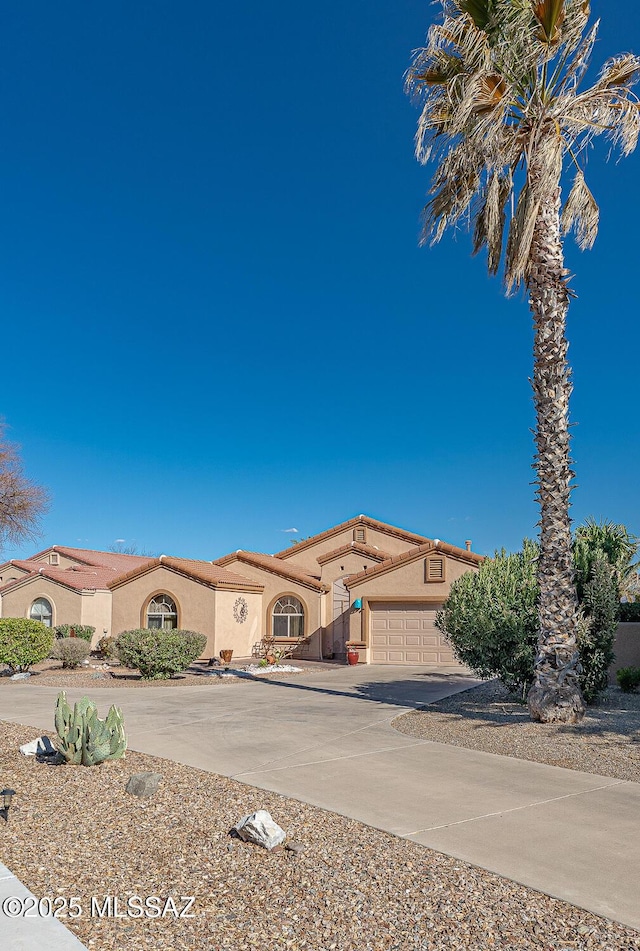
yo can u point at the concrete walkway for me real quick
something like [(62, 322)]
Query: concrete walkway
[(326, 738), (22, 927)]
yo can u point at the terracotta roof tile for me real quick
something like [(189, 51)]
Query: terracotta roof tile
[(100, 559), (205, 571), (275, 566), (364, 520), (412, 554), (369, 550), (80, 578)]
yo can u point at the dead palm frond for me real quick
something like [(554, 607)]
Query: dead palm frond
[(499, 86)]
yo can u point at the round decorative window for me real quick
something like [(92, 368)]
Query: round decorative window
[(241, 610)]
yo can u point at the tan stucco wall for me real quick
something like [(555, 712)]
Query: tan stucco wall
[(626, 648), (307, 558), (240, 637), (66, 604), (404, 582), (95, 610), (200, 608), (195, 603), (349, 563), (274, 588)]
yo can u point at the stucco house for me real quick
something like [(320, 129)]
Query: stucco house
[(365, 582)]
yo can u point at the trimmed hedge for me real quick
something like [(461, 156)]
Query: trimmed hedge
[(23, 642), (628, 679), (85, 631), (158, 654), (630, 611)]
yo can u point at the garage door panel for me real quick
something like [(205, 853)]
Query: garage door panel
[(405, 633)]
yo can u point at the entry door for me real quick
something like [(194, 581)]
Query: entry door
[(340, 616)]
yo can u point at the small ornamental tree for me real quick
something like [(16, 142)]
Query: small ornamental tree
[(23, 642), (491, 618)]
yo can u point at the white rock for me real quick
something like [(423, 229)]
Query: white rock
[(260, 828), (42, 745), (23, 676)]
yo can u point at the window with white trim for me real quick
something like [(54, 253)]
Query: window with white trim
[(288, 617), (41, 610), (162, 613)]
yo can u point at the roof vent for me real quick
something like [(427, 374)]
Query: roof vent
[(467, 544), (436, 542)]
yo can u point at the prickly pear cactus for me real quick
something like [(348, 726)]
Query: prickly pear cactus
[(83, 738)]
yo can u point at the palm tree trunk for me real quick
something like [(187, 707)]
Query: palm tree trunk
[(555, 694)]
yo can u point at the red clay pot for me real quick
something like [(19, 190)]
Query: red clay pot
[(353, 656)]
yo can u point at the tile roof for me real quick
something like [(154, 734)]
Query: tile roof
[(78, 577), (277, 567), (365, 520), (208, 572), (21, 563), (92, 577), (101, 559), (369, 550), (411, 555)]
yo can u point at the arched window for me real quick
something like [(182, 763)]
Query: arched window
[(162, 613), (41, 610), (288, 618)]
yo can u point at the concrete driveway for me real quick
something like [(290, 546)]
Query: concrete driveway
[(326, 738)]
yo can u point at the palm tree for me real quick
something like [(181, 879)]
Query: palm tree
[(504, 114)]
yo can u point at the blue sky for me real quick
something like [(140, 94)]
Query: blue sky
[(217, 322)]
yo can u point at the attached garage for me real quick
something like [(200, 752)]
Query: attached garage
[(405, 633)]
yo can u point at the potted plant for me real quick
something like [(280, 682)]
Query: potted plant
[(225, 656), (353, 655)]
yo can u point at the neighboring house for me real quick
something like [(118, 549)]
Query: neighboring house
[(114, 593), (363, 582)]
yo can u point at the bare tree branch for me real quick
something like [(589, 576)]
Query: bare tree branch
[(22, 502)]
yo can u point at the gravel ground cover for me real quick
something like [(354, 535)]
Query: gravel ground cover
[(607, 742), (73, 832), (51, 674)]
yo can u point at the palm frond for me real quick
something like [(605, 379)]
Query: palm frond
[(581, 213), (520, 238), (491, 218), (498, 82), (550, 15)]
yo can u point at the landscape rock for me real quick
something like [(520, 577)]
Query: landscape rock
[(260, 829), (23, 676), (41, 746), (143, 784)]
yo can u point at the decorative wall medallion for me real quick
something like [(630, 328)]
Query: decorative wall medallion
[(241, 610)]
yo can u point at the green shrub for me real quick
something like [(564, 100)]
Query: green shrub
[(491, 618), (630, 611), (106, 646), (23, 642), (596, 633), (83, 738), (70, 650), (84, 631), (158, 654), (628, 678)]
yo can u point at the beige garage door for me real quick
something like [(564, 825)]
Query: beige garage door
[(405, 633)]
